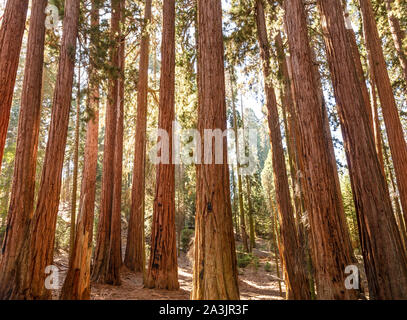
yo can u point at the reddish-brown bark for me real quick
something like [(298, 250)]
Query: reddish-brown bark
[(44, 221), (101, 272), (115, 259), (22, 193), (135, 251), (215, 268), (394, 129), (330, 250), (291, 252), (77, 281), (163, 267), (11, 37), (384, 257)]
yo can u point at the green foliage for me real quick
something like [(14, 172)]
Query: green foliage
[(267, 267), (245, 259)]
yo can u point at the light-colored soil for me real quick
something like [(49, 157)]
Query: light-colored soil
[(255, 283)]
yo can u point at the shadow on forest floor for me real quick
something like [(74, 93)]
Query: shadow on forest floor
[(255, 283)]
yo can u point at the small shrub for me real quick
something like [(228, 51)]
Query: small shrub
[(243, 260), (267, 267), (255, 262)]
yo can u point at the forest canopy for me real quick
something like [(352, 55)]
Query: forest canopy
[(215, 149)]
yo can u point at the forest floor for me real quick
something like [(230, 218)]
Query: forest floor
[(257, 281)]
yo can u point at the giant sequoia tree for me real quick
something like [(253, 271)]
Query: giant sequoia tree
[(11, 36), (135, 252), (77, 282), (106, 267), (381, 243), (330, 250), (317, 103), (394, 129), (22, 194), (293, 259), (42, 235), (163, 267), (215, 268)]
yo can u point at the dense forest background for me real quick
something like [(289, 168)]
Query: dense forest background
[(253, 198)]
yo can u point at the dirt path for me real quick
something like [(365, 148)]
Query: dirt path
[(255, 283)]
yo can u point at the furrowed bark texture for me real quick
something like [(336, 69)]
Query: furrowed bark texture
[(384, 257), (394, 129), (135, 254), (11, 37), (22, 193), (330, 251), (163, 266), (100, 268), (77, 281), (215, 267), (291, 252), (44, 221)]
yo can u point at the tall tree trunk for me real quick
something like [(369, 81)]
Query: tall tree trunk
[(115, 259), (398, 36), (100, 269), (287, 106), (358, 63), (163, 266), (23, 189), (330, 251), (75, 164), (135, 249), (330, 145), (77, 281), (385, 260), (239, 176), (398, 145), (215, 267), (11, 37), (44, 221), (303, 232), (292, 254)]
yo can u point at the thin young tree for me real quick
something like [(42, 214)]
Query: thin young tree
[(163, 266), (215, 265), (22, 193), (11, 37), (77, 282), (75, 162), (383, 252), (135, 249), (238, 169), (251, 214), (331, 254)]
